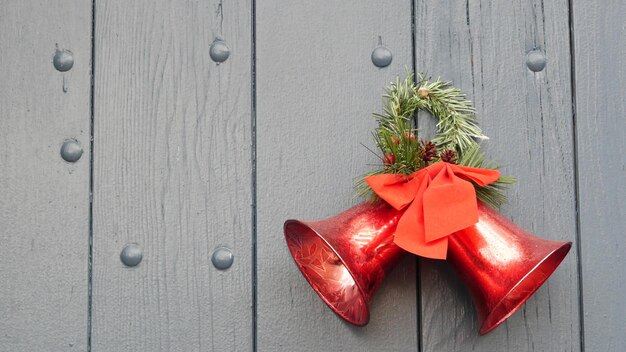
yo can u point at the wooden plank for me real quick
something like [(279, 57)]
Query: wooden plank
[(482, 47), (172, 173), (316, 90), (44, 200), (600, 68)]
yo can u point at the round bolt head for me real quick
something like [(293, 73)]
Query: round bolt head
[(381, 56), (536, 60), (219, 51), (131, 255), (63, 60), (222, 258), (71, 150)]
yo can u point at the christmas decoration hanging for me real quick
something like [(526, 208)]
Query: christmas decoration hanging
[(435, 199)]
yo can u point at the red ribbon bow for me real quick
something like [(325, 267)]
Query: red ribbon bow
[(439, 200)]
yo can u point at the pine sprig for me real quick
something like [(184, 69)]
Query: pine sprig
[(403, 153), (492, 194), (457, 127)]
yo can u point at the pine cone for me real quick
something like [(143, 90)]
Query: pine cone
[(448, 156), (429, 151)]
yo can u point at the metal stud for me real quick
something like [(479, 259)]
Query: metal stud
[(71, 150), (536, 60), (222, 258), (131, 255), (219, 51), (63, 60), (381, 56)]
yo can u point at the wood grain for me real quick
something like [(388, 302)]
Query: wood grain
[(172, 171), (44, 200), (600, 67), (482, 46), (316, 90)]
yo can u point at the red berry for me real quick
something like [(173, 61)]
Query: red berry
[(389, 159), (409, 135), (395, 140)]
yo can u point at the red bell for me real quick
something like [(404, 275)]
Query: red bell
[(345, 258), (501, 264)]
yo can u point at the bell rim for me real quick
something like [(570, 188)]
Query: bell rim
[(315, 288), (485, 328)]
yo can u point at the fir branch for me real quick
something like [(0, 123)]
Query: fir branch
[(493, 194), (401, 151), (457, 127), (363, 190)]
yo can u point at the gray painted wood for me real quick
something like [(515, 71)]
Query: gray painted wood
[(44, 200), (316, 90), (172, 171), (482, 47), (600, 67)]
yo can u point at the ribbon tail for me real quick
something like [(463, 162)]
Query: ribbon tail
[(394, 189), (410, 232), (450, 205)]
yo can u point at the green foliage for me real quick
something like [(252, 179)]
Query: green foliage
[(401, 152), (457, 128)]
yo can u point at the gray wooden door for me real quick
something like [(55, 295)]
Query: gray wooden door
[(203, 125)]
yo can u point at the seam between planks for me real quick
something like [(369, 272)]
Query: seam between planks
[(418, 284), (253, 171), (91, 185), (581, 313)]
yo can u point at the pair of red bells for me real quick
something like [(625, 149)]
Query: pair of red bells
[(345, 258)]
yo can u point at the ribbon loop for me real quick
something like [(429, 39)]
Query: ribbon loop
[(397, 190)]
